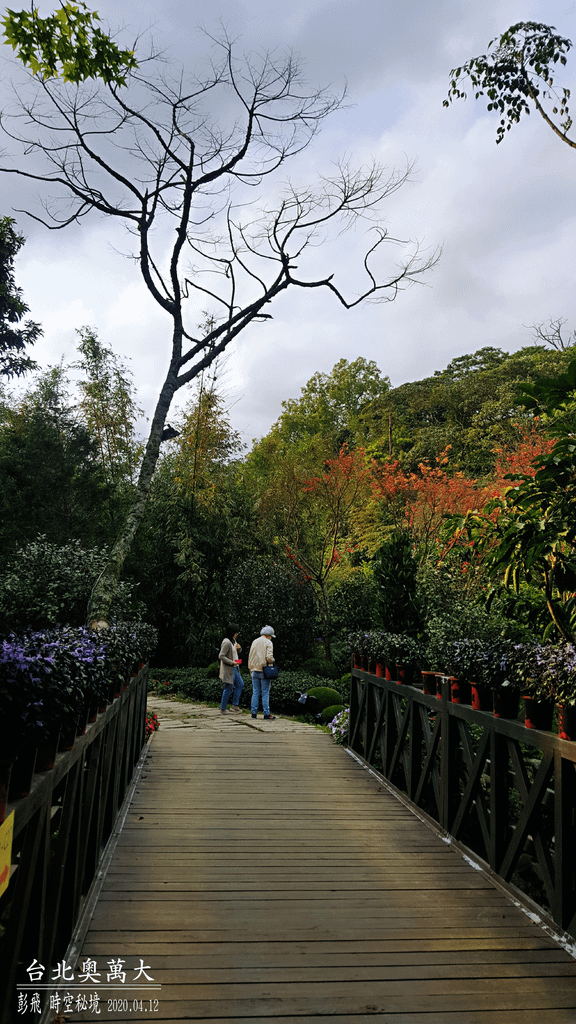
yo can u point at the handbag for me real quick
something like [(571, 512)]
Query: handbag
[(270, 671)]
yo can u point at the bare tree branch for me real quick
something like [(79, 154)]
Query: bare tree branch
[(172, 160)]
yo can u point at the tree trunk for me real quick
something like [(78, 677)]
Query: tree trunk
[(106, 585)]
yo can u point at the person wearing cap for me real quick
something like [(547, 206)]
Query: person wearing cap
[(229, 674), (261, 654)]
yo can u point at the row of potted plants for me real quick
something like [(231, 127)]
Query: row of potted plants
[(52, 683), (483, 672)]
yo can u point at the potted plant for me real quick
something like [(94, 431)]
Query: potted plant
[(381, 653), (466, 663), (404, 654), (536, 690), (559, 673)]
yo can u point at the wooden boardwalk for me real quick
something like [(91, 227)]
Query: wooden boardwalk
[(266, 876)]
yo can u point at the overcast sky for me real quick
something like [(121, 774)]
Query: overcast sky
[(503, 215)]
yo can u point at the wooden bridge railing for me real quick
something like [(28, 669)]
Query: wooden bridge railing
[(505, 792), (60, 831)]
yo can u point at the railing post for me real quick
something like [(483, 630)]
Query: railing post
[(447, 759), (564, 909), (499, 797)]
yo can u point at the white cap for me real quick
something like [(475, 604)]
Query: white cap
[(267, 631)]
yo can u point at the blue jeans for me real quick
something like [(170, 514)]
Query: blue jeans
[(260, 688), (227, 690), (238, 686)]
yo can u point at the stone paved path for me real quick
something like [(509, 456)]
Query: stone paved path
[(177, 714)]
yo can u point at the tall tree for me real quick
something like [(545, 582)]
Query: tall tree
[(50, 479), (108, 408), (153, 152), (13, 339)]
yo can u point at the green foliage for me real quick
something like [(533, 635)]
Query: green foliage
[(517, 74), (321, 667), (325, 695), (328, 714), (67, 43), (261, 591), (470, 406), (13, 340), (395, 572), (354, 601), (45, 584), (50, 482), (330, 409), (194, 684), (108, 408)]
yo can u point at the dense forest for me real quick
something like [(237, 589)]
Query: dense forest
[(357, 509)]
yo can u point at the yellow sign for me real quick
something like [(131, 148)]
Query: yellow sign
[(6, 832)]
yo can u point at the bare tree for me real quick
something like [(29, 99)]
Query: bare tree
[(188, 152)]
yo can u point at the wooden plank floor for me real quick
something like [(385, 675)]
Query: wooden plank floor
[(268, 877)]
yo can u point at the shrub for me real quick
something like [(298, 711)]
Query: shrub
[(261, 592), (213, 670), (45, 585), (194, 684), (325, 695), (328, 714), (321, 667)]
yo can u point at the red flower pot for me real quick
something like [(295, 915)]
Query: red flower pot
[(380, 670), (459, 691), (429, 683), (567, 721), (538, 713), (481, 697)]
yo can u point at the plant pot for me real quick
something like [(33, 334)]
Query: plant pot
[(82, 722), (506, 702), (567, 721), (67, 737), (459, 691), (92, 713), (429, 683), (22, 772), (5, 771), (439, 680), (46, 755), (380, 670), (481, 697), (404, 674), (356, 663), (538, 713)]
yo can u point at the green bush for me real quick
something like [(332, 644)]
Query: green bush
[(44, 585), (213, 670), (329, 713), (325, 695), (194, 684), (321, 667)]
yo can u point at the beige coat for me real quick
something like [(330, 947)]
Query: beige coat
[(227, 658), (261, 653)]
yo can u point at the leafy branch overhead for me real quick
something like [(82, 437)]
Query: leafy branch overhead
[(517, 73), (68, 43)]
